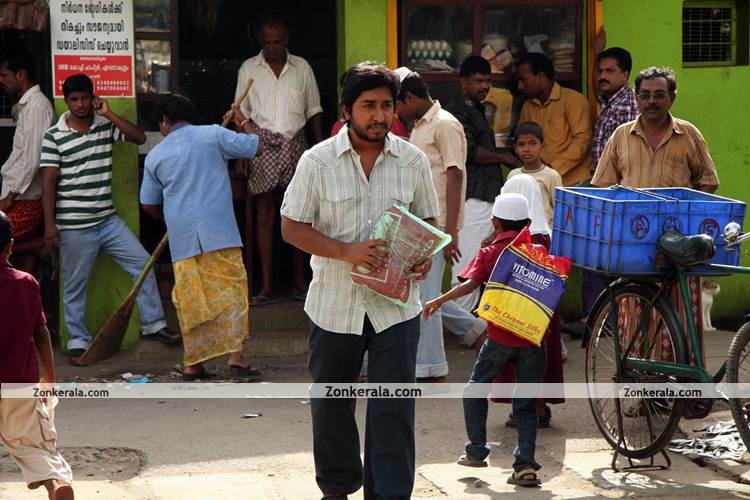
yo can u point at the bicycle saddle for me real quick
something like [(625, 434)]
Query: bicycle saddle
[(686, 250)]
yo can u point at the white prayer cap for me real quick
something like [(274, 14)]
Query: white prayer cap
[(402, 73), (511, 206)]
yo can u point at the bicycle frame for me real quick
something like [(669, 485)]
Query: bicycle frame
[(688, 371)]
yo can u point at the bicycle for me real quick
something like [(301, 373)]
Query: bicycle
[(643, 341)]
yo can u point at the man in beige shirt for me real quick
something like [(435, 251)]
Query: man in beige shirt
[(441, 137), (563, 115), (656, 149)]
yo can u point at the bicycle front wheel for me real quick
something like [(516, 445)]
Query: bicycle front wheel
[(635, 427), (738, 372)]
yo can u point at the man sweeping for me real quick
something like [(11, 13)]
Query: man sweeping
[(186, 183)]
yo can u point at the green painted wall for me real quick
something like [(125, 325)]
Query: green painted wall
[(109, 285), (361, 32), (712, 98)]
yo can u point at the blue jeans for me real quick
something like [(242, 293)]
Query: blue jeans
[(79, 248), (529, 364)]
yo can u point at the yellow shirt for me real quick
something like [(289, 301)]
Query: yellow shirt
[(680, 160), (566, 122), (548, 179), (441, 137)]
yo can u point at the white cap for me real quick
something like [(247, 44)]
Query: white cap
[(511, 206), (526, 186), (402, 73)]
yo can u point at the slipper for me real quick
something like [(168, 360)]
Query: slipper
[(471, 462), (261, 300), (245, 372), (301, 296), (526, 477), (165, 336), (192, 377)]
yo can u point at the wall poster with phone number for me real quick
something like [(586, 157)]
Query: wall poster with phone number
[(95, 38)]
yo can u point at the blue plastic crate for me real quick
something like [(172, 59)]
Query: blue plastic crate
[(612, 230), (703, 213)]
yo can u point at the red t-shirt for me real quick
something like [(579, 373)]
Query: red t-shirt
[(21, 314), (479, 271), (397, 128)]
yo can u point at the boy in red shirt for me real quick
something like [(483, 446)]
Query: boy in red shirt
[(510, 214), (26, 425)]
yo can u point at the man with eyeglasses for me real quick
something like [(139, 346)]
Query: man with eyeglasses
[(656, 149)]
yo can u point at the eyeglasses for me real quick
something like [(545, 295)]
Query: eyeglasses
[(646, 96)]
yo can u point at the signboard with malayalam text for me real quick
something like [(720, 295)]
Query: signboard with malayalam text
[(96, 38)]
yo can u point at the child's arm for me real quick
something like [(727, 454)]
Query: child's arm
[(43, 345), (457, 291)]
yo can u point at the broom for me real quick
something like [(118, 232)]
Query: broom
[(237, 103), (109, 339)]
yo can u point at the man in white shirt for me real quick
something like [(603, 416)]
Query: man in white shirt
[(21, 181), (282, 99)]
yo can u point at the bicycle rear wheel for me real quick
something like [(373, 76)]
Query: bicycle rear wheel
[(635, 427), (738, 372)]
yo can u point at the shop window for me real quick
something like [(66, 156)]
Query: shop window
[(714, 33), (155, 56)]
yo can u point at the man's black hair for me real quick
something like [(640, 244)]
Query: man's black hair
[(622, 56), (537, 63), (177, 108), (657, 72), (513, 225), (473, 65), (530, 128), (77, 83), (272, 19), (6, 230), (413, 83), (366, 76), (17, 59)]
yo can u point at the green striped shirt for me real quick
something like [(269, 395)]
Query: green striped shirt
[(84, 187)]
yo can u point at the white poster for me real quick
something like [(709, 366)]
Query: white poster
[(95, 38)]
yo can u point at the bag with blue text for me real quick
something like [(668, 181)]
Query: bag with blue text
[(524, 289)]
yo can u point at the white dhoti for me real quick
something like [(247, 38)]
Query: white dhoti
[(477, 226)]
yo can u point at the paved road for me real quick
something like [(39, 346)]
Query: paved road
[(202, 449)]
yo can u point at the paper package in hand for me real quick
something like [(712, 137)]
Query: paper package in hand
[(410, 242)]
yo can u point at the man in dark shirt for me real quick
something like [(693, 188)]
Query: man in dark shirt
[(26, 424), (484, 178)]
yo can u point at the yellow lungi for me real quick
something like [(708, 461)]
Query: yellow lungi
[(210, 295), (27, 429)]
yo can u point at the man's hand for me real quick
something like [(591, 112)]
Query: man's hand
[(430, 308), (101, 106), (51, 235), (369, 254), (419, 272), (5, 204), (47, 382), (451, 253)]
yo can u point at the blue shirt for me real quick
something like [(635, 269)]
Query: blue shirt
[(187, 173)]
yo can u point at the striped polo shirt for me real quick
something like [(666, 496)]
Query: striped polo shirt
[(84, 187)]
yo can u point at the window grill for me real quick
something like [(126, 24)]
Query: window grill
[(709, 34)]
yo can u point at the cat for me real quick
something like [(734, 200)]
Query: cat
[(709, 288)]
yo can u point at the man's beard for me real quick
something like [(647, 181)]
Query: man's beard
[(362, 134)]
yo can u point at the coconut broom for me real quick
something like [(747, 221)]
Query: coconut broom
[(109, 339)]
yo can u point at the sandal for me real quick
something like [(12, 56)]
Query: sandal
[(542, 420), (165, 336), (466, 461), (301, 296), (245, 372), (526, 477), (261, 300), (192, 377)]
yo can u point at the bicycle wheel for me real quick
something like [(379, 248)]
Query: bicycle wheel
[(636, 427), (738, 372)]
